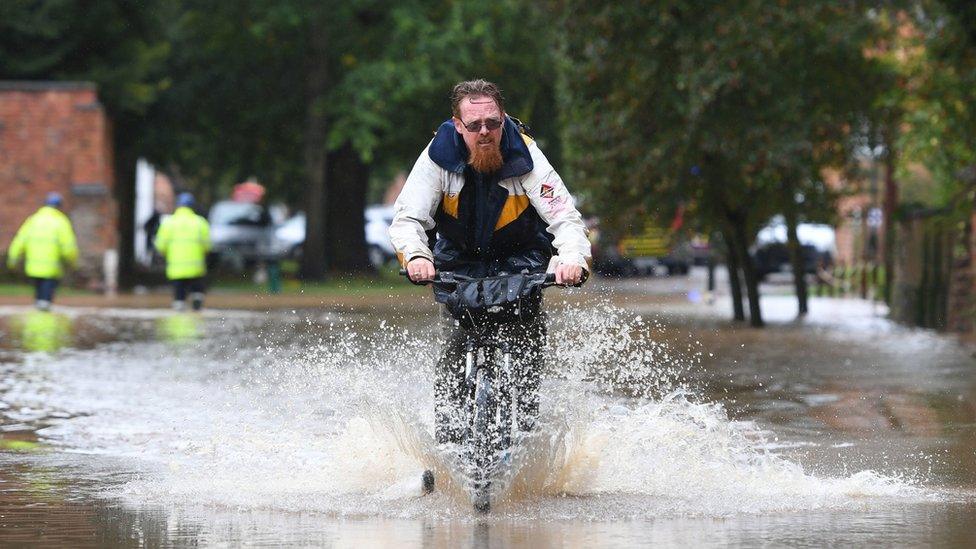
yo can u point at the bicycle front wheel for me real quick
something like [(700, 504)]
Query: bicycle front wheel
[(484, 436)]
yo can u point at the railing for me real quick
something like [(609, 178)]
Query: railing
[(864, 279)]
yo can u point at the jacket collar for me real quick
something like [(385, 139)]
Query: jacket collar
[(448, 150)]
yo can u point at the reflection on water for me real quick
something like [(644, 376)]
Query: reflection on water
[(179, 328), (41, 331), (312, 428)]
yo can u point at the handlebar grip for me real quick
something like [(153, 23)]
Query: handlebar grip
[(551, 281), (437, 278)]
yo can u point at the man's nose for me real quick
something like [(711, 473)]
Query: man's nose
[(483, 130)]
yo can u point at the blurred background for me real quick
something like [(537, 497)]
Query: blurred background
[(828, 145), (807, 165)]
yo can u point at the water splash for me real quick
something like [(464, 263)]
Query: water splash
[(340, 423)]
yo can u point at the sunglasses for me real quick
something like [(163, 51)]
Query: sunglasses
[(474, 127)]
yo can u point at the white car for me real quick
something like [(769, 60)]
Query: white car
[(290, 235), (819, 235), (240, 232), (818, 243), (380, 249)]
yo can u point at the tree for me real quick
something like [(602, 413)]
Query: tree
[(940, 102), (926, 124), (729, 108), (315, 99)]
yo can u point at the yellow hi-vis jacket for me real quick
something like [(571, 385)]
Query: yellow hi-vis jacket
[(45, 239), (184, 240)]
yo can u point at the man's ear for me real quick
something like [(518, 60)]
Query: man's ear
[(457, 124)]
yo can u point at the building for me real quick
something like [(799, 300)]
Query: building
[(859, 231), (55, 136)]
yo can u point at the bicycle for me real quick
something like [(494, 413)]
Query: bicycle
[(490, 412)]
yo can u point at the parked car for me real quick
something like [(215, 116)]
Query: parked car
[(379, 247), (289, 236), (770, 254), (654, 250), (775, 258), (241, 232)]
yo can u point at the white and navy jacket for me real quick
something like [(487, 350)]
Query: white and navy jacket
[(483, 225)]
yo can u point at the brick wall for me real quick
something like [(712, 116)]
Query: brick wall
[(54, 136)]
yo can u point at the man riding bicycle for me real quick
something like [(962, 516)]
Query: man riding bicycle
[(482, 200)]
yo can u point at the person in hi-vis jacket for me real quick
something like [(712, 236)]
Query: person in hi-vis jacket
[(47, 243), (184, 240)]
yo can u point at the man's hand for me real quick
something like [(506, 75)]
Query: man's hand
[(420, 270), (569, 274)]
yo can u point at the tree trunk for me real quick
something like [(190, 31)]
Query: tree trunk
[(347, 183), (735, 284), (741, 243), (796, 258), (888, 221), (316, 85), (124, 166)]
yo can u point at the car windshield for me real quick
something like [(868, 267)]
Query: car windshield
[(239, 213), (295, 222)]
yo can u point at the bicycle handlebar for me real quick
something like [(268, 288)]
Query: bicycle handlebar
[(448, 278)]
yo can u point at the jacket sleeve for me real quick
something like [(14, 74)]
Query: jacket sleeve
[(549, 196), (413, 212), (68, 244), (162, 238), (17, 245), (205, 234)]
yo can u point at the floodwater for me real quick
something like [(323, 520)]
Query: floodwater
[(662, 424)]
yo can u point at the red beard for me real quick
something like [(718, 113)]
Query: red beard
[(486, 159)]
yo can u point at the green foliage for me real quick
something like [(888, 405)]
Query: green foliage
[(938, 64), (113, 43), (717, 107), (730, 110), (389, 105), (237, 104)]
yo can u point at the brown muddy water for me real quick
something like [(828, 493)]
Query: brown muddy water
[(662, 424)]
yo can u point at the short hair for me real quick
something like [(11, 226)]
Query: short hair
[(477, 87)]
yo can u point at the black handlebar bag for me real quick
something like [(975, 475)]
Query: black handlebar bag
[(499, 300)]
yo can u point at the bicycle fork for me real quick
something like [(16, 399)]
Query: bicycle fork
[(492, 419), (507, 403), (493, 390)]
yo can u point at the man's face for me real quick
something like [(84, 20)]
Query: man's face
[(479, 109)]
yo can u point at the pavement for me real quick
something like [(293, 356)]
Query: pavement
[(679, 291), (226, 300)]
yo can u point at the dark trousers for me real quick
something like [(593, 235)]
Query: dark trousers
[(193, 286), (44, 288), (527, 341)]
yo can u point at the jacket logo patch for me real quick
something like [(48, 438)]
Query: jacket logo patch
[(546, 191)]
